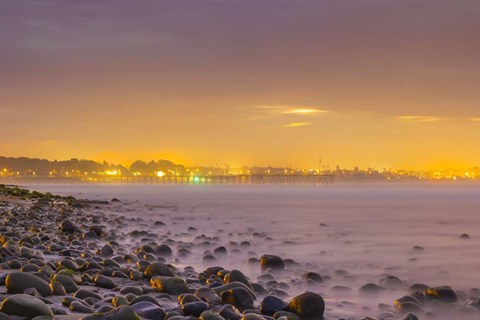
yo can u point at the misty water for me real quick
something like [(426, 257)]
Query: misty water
[(350, 234)]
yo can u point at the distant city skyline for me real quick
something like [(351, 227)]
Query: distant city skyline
[(384, 84)]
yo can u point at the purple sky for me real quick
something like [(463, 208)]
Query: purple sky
[(213, 81)]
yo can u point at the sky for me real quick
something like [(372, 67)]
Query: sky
[(368, 83)]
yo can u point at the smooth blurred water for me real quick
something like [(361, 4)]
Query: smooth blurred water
[(369, 230)]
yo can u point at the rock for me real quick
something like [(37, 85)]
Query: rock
[(170, 285), (237, 276), (229, 312), (25, 306), (148, 310), (309, 306), (392, 282), (418, 287), (164, 250), (119, 301), (285, 315), (408, 307), (409, 316), (238, 297), (58, 289), (68, 264), (98, 230), (107, 250), (158, 269), (194, 308), (272, 304), (313, 277), (120, 313), (271, 262), (444, 294), (17, 282), (85, 293), (209, 295), (370, 289), (252, 316), (67, 282), (210, 315), (104, 282), (67, 226), (80, 307), (233, 285)]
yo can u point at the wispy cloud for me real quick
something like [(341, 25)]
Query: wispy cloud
[(305, 111), (430, 119), (297, 124), (46, 142), (418, 118), (273, 111)]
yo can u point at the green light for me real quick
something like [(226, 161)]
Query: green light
[(196, 179)]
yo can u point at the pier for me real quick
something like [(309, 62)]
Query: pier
[(317, 179)]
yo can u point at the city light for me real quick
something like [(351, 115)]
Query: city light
[(160, 174)]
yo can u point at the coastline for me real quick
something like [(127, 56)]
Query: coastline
[(122, 266)]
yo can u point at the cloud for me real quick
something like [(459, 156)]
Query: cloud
[(297, 124), (270, 112), (46, 142), (305, 111), (418, 118), (474, 119)]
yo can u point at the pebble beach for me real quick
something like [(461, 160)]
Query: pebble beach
[(65, 257)]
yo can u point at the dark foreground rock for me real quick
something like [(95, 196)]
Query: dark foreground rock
[(23, 305), (309, 306)]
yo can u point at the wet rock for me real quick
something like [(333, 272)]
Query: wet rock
[(252, 316), (79, 307), (25, 306), (209, 295), (17, 282), (232, 285), (67, 282), (238, 276), (210, 315), (238, 297), (408, 307), (392, 282), (229, 312), (418, 287), (444, 294), (194, 308), (104, 282), (121, 313), (370, 289), (409, 316), (149, 310), (309, 306), (271, 262), (131, 289), (85, 293), (107, 250), (164, 250), (285, 315), (158, 269), (313, 277), (67, 226), (170, 285), (57, 289), (272, 304)]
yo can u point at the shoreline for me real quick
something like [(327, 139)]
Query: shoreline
[(94, 259)]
